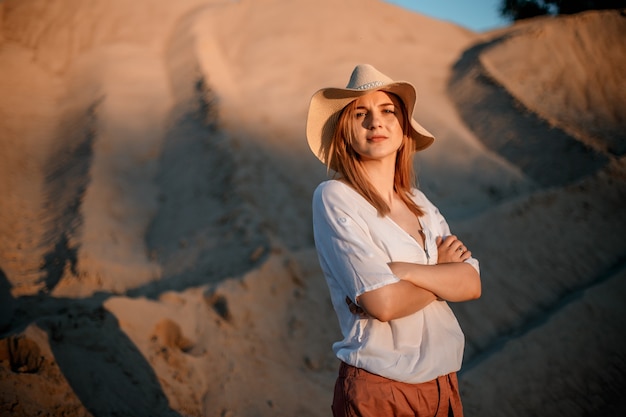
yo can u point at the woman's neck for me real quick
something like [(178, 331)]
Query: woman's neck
[(381, 176)]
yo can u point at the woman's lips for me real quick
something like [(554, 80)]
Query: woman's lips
[(377, 138)]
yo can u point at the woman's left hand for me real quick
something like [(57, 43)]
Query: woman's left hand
[(355, 309), (451, 249)]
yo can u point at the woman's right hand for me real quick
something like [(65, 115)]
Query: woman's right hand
[(450, 249)]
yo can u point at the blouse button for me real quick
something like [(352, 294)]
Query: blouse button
[(342, 220)]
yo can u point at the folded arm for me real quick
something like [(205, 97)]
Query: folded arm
[(450, 281), (420, 285), (395, 301)]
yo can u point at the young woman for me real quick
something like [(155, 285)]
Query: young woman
[(387, 253)]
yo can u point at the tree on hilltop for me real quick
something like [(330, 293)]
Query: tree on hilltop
[(524, 9)]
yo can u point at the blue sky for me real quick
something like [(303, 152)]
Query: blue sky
[(477, 15)]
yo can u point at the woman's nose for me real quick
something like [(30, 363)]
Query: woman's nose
[(374, 120)]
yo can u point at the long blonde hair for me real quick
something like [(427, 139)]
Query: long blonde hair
[(348, 163)]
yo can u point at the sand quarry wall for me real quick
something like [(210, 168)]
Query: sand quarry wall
[(156, 255)]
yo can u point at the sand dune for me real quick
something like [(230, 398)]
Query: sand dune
[(156, 253), (584, 100)]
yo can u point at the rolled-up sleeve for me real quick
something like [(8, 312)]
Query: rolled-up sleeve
[(346, 251)]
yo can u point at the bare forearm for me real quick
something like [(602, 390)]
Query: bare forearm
[(395, 301), (450, 281)]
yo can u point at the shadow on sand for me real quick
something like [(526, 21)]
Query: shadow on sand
[(105, 370), (101, 365)]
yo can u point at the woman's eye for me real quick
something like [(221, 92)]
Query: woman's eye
[(390, 111), (359, 115)]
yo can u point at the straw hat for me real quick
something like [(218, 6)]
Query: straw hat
[(327, 103)]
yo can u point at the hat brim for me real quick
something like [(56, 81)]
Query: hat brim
[(326, 106)]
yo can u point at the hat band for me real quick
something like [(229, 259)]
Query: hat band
[(372, 84)]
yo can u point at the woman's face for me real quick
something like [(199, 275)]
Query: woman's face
[(377, 126)]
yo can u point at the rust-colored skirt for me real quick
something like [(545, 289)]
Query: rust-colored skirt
[(359, 393)]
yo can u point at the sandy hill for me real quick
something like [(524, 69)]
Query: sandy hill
[(156, 253)]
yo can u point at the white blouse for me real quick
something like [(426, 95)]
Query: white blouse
[(354, 246)]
